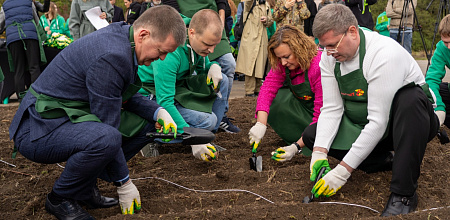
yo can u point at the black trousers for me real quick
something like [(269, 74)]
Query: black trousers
[(23, 60), (444, 91), (412, 125)]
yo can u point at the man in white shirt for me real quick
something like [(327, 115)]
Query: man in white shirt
[(375, 101)]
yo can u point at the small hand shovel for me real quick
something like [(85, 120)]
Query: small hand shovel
[(255, 162), (189, 137), (319, 176)]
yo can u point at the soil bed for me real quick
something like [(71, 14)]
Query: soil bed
[(23, 188)]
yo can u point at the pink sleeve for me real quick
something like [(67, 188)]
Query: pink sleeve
[(316, 85), (272, 83)]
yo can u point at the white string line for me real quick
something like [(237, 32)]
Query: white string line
[(206, 191), (242, 190), (350, 204)]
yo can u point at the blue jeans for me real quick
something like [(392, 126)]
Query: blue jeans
[(407, 41), (92, 150), (208, 121), (228, 65)]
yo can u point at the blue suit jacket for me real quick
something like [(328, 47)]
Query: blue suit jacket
[(97, 69)]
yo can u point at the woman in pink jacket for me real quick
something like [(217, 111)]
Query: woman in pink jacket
[(289, 104)]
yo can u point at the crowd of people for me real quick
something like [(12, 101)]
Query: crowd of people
[(170, 64)]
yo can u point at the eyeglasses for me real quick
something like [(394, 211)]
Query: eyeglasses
[(333, 50)]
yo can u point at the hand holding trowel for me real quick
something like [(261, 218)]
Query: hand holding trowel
[(255, 134), (190, 136)]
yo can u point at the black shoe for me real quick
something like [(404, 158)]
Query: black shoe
[(398, 204), (250, 95), (98, 201), (227, 126), (67, 209)]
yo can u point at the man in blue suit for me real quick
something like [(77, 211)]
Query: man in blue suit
[(84, 109)]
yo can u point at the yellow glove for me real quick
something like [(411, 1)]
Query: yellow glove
[(255, 135), (202, 151), (284, 153), (214, 75), (166, 121), (331, 182), (129, 198)]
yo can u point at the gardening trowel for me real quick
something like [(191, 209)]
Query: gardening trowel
[(255, 162), (319, 176), (189, 137)]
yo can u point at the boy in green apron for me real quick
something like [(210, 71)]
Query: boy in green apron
[(375, 100), (191, 88)]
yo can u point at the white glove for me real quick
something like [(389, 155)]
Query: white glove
[(255, 135), (331, 182), (129, 198), (284, 153), (202, 151), (165, 120), (441, 116), (214, 75)]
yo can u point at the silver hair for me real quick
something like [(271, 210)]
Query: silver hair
[(335, 17), (162, 21)]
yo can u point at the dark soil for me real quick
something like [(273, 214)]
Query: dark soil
[(23, 188)]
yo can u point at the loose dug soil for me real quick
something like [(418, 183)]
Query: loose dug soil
[(23, 188)]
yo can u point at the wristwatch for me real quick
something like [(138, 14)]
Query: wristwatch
[(298, 147)]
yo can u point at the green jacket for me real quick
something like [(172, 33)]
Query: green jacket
[(56, 25), (165, 74), (436, 72), (382, 23)]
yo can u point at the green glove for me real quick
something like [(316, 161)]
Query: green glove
[(332, 182), (318, 160)]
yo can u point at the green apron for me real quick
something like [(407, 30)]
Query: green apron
[(41, 38), (79, 111), (292, 110), (353, 89), (191, 92)]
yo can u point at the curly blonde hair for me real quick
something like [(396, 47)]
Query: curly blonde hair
[(302, 46)]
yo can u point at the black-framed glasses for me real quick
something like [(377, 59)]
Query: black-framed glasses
[(332, 50)]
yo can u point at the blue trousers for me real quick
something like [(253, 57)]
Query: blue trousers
[(228, 64), (405, 37), (92, 150)]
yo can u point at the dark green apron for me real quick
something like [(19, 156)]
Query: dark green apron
[(292, 110), (79, 111), (41, 38), (353, 89)]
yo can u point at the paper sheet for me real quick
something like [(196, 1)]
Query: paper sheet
[(93, 15)]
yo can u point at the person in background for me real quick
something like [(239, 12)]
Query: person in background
[(79, 24), (24, 41), (148, 4), (292, 12), (323, 3), (289, 109), (133, 10), (187, 84), (375, 101), (118, 12), (361, 10), (252, 56), (383, 24), (395, 10), (92, 92), (308, 23), (52, 22), (222, 52), (437, 71)]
